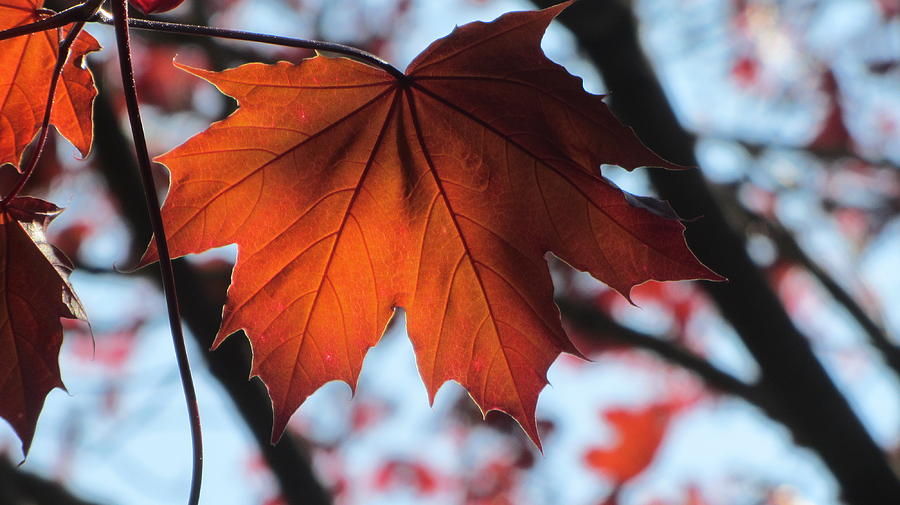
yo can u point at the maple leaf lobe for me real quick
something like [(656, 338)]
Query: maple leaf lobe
[(26, 67), (34, 294), (350, 193)]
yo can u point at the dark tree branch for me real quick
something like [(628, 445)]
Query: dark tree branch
[(789, 247), (598, 325), (18, 487), (823, 155), (879, 339), (79, 12), (808, 402)]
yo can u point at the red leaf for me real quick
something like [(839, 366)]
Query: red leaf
[(155, 6), (162, 84), (745, 71), (833, 134), (26, 66), (350, 192), (640, 433), (34, 294), (410, 474)]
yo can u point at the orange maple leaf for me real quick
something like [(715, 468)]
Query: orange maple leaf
[(640, 434), (34, 293), (26, 66), (351, 192)]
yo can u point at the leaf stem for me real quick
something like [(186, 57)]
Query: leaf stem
[(223, 33), (80, 12), (85, 10), (120, 21)]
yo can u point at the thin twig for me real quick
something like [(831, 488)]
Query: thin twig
[(223, 33), (120, 11), (61, 58), (788, 246), (755, 148), (80, 12)]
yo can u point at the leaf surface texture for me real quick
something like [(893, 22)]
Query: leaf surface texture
[(34, 294), (351, 193), (26, 66)]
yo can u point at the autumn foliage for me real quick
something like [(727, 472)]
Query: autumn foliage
[(457, 205), (35, 294), (26, 66), (352, 191), (35, 291)]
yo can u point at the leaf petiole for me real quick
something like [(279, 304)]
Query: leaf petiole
[(223, 33)]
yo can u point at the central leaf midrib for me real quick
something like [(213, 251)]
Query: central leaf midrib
[(468, 251)]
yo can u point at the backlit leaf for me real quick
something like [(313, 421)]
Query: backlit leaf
[(351, 193), (34, 294), (26, 66)]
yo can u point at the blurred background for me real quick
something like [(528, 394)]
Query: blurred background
[(702, 394)]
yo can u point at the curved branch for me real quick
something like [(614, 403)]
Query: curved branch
[(151, 198), (596, 323)]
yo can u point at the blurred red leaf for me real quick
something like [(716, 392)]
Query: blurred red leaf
[(365, 414), (69, 239), (161, 83), (640, 433), (110, 350), (492, 482), (745, 71), (417, 476), (833, 134), (155, 6)]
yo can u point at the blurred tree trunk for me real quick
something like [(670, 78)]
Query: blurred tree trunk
[(805, 398), (18, 487)]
